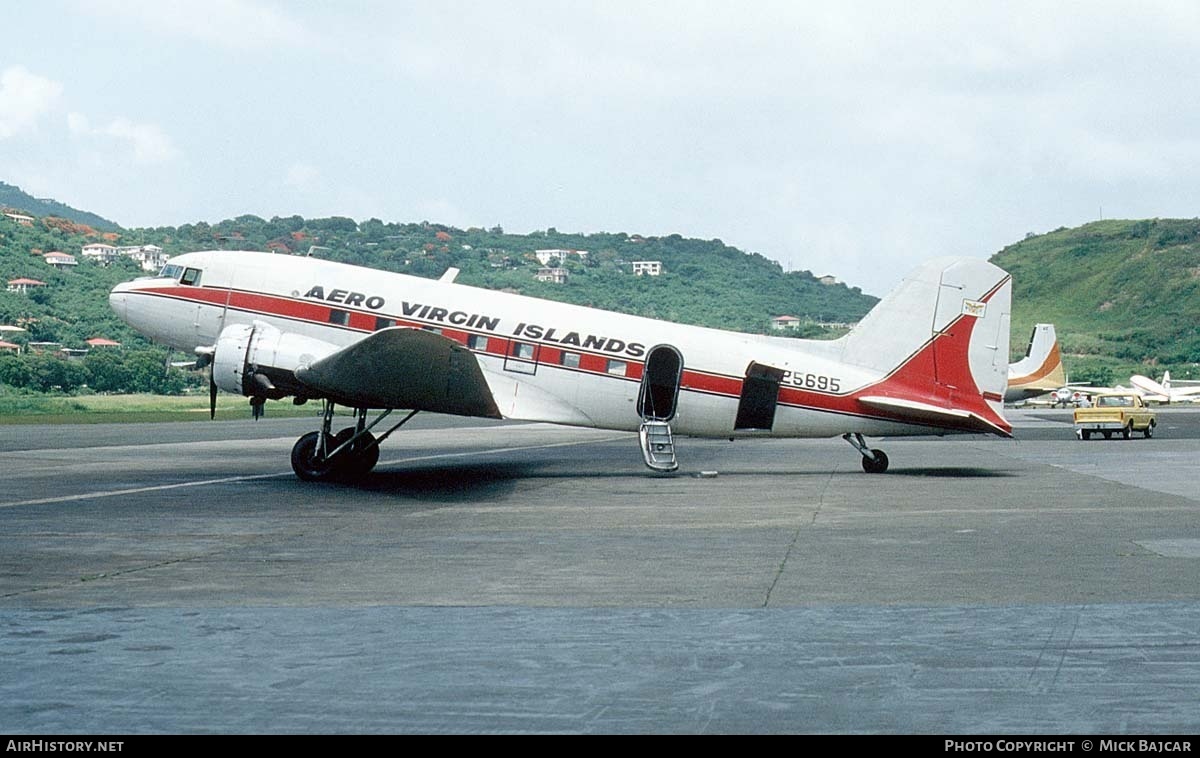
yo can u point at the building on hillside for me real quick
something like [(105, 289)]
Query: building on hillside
[(545, 256), (555, 275), (20, 218), (9, 347), (647, 268), (102, 342), (23, 285), (828, 279), (149, 257), (100, 253), (780, 323), (60, 260)]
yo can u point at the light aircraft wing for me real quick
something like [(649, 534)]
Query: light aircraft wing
[(408, 368)]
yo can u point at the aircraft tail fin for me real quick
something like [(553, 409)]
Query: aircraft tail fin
[(1041, 370), (940, 339)]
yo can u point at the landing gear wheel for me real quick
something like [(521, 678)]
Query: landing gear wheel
[(358, 459), (876, 466), (306, 462)]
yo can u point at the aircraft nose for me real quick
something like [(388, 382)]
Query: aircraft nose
[(118, 299)]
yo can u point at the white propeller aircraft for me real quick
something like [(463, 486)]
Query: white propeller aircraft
[(930, 358), (1163, 392)]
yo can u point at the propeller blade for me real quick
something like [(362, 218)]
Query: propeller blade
[(212, 396)]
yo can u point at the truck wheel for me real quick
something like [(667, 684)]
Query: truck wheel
[(1149, 430), (1127, 432)]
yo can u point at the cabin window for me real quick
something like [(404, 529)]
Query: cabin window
[(477, 342), (570, 360), (339, 317), (522, 350), (384, 323), (170, 271), (191, 277), (616, 368)]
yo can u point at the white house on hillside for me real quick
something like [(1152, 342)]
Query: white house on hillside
[(545, 256), (555, 275), (60, 261), (100, 252)]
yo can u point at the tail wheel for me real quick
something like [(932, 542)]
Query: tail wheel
[(307, 462), (877, 465)]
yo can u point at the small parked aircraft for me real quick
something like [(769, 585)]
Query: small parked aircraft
[(1163, 392), (930, 358)]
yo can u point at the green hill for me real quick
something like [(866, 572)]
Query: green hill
[(13, 198), (704, 282), (1124, 295)]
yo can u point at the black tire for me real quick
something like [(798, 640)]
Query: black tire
[(1085, 435), (876, 466), (305, 462), (1149, 430), (359, 459), (1127, 432), (362, 457)]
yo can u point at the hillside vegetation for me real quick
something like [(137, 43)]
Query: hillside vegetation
[(705, 282), (1124, 296), (13, 197)]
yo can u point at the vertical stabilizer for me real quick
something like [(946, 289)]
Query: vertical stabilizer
[(940, 340), (1041, 370)]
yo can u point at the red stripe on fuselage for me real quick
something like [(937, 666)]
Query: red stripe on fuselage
[(914, 379)]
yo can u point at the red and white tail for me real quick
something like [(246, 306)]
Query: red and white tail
[(940, 341)]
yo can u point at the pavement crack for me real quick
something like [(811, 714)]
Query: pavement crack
[(787, 554)]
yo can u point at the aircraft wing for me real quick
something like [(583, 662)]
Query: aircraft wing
[(404, 368), (926, 413)]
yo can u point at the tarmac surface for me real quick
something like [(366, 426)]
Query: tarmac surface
[(528, 578)]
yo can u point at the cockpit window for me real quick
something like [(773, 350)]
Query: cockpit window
[(191, 277), (170, 271)]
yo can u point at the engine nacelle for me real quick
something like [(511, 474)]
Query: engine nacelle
[(258, 360)]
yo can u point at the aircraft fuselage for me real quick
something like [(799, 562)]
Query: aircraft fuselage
[(543, 360)]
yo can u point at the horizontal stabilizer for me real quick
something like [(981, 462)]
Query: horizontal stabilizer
[(919, 412), (404, 368)]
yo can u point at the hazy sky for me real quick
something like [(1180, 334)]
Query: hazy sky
[(852, 138)]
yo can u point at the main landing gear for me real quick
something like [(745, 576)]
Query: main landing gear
[(873, 461), (347, 455)]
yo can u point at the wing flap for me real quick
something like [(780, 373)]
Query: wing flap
[(404, 368), (925, 413)]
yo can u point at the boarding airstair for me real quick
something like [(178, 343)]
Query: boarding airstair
[(658, 448)]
